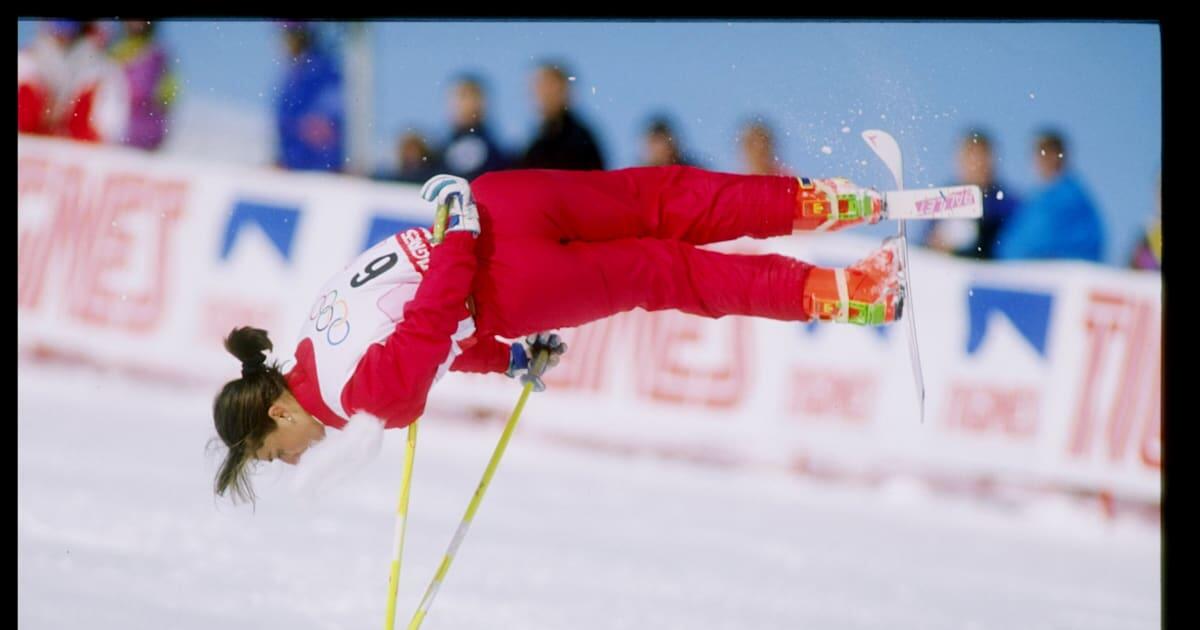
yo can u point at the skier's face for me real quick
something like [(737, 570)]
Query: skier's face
[(295, 431)]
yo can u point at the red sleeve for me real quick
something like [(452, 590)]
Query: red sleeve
[(393, 379), (486, 356)]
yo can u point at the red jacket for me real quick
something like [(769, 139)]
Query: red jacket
[(359, 352)]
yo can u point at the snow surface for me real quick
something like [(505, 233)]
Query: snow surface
[(118, 529)]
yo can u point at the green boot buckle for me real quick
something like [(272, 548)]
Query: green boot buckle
[(861, 313)]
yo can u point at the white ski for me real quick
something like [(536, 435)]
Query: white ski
[(949, 202), (885, 146)]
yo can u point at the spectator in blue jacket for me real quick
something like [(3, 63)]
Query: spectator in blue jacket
[(1060, 221), (472, 150), (310, 117)]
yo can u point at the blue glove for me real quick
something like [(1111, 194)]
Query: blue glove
[(522, 354)]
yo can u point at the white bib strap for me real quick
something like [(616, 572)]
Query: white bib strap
[(843, 295)]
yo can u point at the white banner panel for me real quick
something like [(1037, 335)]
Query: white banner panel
[(1044, 373)]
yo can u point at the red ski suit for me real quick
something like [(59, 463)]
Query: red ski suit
[(563, 248)]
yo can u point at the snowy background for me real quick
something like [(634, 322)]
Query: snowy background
[(117, 528)]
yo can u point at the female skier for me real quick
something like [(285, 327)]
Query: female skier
[(530, 251)]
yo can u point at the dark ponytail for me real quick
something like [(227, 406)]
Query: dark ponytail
[(240, 410)]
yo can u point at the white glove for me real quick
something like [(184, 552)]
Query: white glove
[(523, 353), (453, 193)]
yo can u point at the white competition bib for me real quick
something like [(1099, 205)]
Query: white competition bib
[(362, 304)]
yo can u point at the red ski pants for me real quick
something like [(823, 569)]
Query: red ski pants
[(563, 248)]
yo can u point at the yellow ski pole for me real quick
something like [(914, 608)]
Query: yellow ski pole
[(410, 453), (440, 217), (435, 584)]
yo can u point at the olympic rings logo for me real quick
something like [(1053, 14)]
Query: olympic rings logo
[(336, 328)]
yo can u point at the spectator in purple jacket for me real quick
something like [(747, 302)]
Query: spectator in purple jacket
[(1147, 254), (152, 85)]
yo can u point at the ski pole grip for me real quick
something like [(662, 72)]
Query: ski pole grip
[(539, 362), (439, 222)]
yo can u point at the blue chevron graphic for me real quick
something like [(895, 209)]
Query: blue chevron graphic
[(279, 223), (1029, 311)]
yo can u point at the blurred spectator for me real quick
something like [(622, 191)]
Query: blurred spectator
[(971, 238), (1060, 221), (42, 76), (67, 85), (416, 162), (471, 150), (662, 145), (758, 151), (152, 87), (1148, 252), (562, 141), (310, 112)]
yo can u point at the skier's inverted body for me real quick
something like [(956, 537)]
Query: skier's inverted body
[(532, 251)]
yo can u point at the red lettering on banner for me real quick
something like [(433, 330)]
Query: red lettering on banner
[(1115, 323), (106, 243), (1151, 447), (124, 283), (1131, 387), (582, 369), (667, 375), (847, 396), (47, 225), (659, 359), (1101, 325), (985, 409)]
